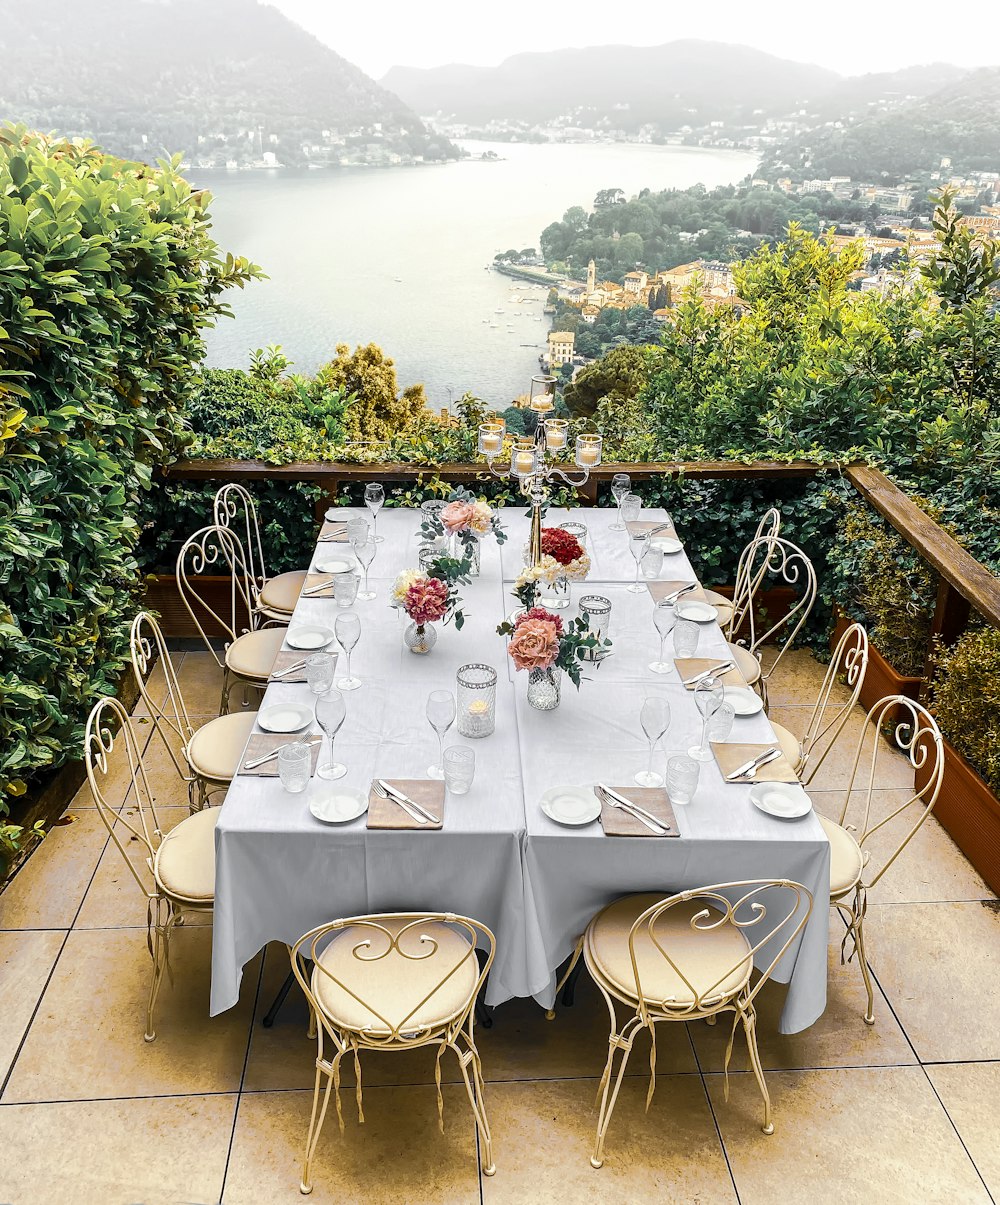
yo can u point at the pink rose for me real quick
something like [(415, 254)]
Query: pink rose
[(534, 644), (457, 516), (426, 601), (541, 613)]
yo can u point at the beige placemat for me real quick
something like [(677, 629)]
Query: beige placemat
[(266, 742), (640, 527), (688, 667), (287, 657), (383, 813), (337, 530), (616, 822), (314, 579), (731, 756), (660, 590)]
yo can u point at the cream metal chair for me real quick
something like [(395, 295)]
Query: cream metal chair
[(209, 756), (248, 655), (768, 528), (850, 662), (854, 867), (685, 958), (770, 557), (181, 862), (393, 981), (274, 597)]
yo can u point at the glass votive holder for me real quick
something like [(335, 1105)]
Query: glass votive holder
[(556, 434), (345, 589), (319, 672), (682, 778), (294, 766), (588, 451), (523, 459), (475, 699), (720, 725), (652, 563), (459, 768), (578, 531), (491, 439), (686, 635), (596, 610)]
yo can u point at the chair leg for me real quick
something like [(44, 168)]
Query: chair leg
[(609, 1096), (866, 973), (570, 968), (227, 686), (315, 1128), (750, 1026), (484, 1014), (160, 951), (477, 1098)]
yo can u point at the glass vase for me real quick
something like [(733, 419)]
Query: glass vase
[(556, 597), (543, 689), (420, 637), (468, 550)]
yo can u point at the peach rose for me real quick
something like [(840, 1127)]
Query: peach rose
[(534, 644), (457, 516)]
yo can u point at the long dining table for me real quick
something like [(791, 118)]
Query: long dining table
[(499, 857)]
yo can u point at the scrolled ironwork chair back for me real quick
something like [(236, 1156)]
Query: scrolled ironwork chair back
[(235, 509), (216, 547), (772, 559), (148, 648), (850, 663)]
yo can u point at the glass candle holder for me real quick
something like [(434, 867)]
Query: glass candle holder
[(523, 458), (542, 397), (578, 531), (588, 451), (490, 439), (556, 434), (476, 700), (596, 610)]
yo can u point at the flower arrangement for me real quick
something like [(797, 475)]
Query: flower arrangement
[(562, 556), (466, 516), (540, 640), (432, 596)]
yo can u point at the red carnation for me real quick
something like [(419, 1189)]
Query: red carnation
[(542, 614), (560, 545)]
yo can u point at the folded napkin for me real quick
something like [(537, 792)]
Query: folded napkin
[(689, 667), (266, 742), (640, 527), (616, 822), (731, 756), (385, 813), (660, 590), (314, 579), (336, 531), (287, 657)]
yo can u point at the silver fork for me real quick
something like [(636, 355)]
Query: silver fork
[(631, 809), (396, 799)]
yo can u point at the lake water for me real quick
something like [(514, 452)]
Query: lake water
[(397, 256)]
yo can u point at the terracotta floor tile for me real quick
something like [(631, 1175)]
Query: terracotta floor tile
[(87, 1038), (25, 961), (798, 679), (46, 892), (117, 783), (398, 1155), (970, 1093), (156, 685), (939, 966), (200, 681), (543, 1137), (157, 1151), (847, 1136)]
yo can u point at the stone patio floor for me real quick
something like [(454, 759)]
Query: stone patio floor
[(216, 1109)]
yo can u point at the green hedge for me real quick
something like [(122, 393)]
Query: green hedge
[(108, 278)]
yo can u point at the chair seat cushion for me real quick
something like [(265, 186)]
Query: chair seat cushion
[(722, 604), (393, 987), (846, 858), (216, 748), (252, 654), (789, 744), (185, 862), (716, 962), (281, 593), (746, 662)]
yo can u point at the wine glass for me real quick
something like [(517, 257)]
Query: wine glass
[(621, 484), (347, 629), (331, 711), (638, 546), (365, 552), (708, 696), (655, 719), (374, 497), (440, 714), (664, 618)]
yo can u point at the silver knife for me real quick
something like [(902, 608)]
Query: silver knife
[(722, 668), (676, 594), (405, 799), (640, 813), (318, 589), (337, 535), (754, 764), (289, 669), (259, 761)]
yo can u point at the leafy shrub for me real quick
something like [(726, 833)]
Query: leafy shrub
[(108, 278), (966, 699)]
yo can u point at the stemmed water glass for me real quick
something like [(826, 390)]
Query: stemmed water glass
[(708, 696), (347, 629), (331, 711), (655, 719), (638, 545), (621, 484), (365, 551), (440, 715), (374, 497), (664, 618)]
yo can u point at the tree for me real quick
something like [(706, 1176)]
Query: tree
[(619, 375), (379, 410), (609, 196)]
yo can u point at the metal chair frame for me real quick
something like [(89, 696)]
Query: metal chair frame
[(827, 721), (453, 1033), (235, 510), (767, 529), (109, 722)]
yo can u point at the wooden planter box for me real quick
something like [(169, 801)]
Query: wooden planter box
[(163, 597), (970, 812), (881, 680)]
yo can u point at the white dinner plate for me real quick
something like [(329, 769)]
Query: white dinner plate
[(285, 717), (333, 565), (780, 799), (338, 807), (571, 805), (304, 637), (744, 700), (693, 608), (667, 543)]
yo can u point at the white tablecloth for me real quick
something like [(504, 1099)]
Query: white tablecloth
[(279, 871)]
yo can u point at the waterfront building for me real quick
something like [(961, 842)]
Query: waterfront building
[(560, 347)]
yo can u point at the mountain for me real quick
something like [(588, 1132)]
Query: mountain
[(856, 94), (960, 121), (232, 77), (680, 83)]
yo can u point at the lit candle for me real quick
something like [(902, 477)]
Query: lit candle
[(542, 402), (524, 463), (556, 433), (492, 442), (588, 450), (587, 454)]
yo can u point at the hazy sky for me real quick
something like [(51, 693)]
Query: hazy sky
[(851, 39)]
